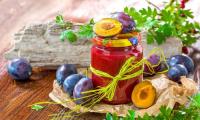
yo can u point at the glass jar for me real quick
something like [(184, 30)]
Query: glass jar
[(110, 59)]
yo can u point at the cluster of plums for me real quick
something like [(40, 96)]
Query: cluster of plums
[(180, 65), (73, 84)]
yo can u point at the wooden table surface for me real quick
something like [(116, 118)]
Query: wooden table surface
[(15, 97)]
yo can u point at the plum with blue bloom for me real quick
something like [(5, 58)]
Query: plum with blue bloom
[(184, 60), (183, 69), (83, 85), (64, 71), (134, 41), (174, 74), (70, 82), (19, 69), (180, 65)]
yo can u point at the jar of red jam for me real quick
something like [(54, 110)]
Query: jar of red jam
[(109, 56)]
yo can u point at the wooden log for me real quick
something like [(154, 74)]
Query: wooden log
[(40, 45)]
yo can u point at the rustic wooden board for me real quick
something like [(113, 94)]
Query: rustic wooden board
[(40, 44)]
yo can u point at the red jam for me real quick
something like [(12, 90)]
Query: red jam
[(110, 60)]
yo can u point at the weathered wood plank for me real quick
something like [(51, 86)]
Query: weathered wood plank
[(40, 44)]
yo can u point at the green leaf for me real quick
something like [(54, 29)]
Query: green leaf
[(105, 41), (165, 112), (69, 35), (127, 117), (179, 115), (146, 117), (115, 117), (148, 13), (160, 37), (64, 24), (86, 31), (126, 9), (59, 20), (187, 13), (150, 23), (188, 40), (166, 29), (92, 22), (150, 38), (197, 26), (108, 116), (154, 14), (131, 114), (195, 100), (166, 16), (62, 36), (37, 107), (136, 16)]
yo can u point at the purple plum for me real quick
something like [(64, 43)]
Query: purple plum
[(83, 85), (127, 22), (64, 71), (154, 60), (184, 60), (70, 82), (19, 69)]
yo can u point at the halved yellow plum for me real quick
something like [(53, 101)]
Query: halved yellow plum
[(107, 27), (143, 95)]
